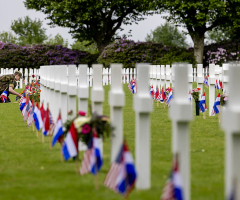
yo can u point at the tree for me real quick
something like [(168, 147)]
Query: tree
[(29, 31), (57, 40), (169, 35), (83, 46), (201, 16), (93, 20), (7, 37), (221, 34)]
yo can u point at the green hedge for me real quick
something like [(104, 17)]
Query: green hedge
[(129, 53)]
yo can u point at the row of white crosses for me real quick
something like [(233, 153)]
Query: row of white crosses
[(59, 91)]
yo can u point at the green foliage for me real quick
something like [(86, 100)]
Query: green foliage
[(7, 37), (201, 16), (57, 40), (85, 46), (29, 31), (167, 34), (129, 53), (93, 20), (222, 52)]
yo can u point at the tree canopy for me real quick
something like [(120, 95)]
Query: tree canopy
[(167, 34), (29, 31), (57, 40), (198, 17), (93, 20), (7, 37)]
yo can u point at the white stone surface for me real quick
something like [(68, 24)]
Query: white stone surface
[(231, 125), (143, 107), (181, 114), (116, 101), (211, 82)]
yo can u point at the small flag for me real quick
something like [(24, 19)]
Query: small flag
[(22, 98), (202, 103), (30, 116), (27, 110), (217, 85), (169, 99), (157, 95), (46, 125), (4, 96), (216, 106), (70, 145), (122, 174), (152, 92), (58, 131), (220, 85), (190, 96), (134, 89), (92, 160), (162, 97), (37, 117), (173, 189)]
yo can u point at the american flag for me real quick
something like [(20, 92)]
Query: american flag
[(110, 180), (168, 191), (86, 162)]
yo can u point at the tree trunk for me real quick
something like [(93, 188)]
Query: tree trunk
[(198, 48), (101, 46)]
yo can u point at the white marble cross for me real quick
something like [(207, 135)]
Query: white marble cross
[(181, 114), (231, 125), (143, 107)]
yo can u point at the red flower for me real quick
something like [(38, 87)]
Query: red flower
[(198, 88), (39, 77), (33, 75), (81, 113), (86, 129)]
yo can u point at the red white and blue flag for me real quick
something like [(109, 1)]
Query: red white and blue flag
[(216, 106), (152, 92), (4, 96), (162, 96), (70, 145), (58, 131), (37, 117), (134, 88), (173, 189), (92, 160), (205, 82), (27, 110), (217, 85), (30, 115), (169, 99), (202, 103), (122, 174), (190, 96), (220, 84)]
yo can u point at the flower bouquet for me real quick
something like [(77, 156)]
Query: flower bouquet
[(85, 126), (195, 94), (223, 99)]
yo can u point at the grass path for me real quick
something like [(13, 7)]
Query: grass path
[(29, 170)]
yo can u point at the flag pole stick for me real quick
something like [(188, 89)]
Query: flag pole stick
[(42, 138), (96, 181), (76, 161), (50, 141), (204, 115), (37, 133)]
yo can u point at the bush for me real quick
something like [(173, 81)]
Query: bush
[(219, 53), (14, 56), (129, 53)]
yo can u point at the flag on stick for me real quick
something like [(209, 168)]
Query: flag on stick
[(216, 106), (58, 131), (122, 174)]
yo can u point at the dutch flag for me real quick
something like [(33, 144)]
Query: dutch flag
[(202, 103), (58, 131), (170, 96), (217, 85), (70, 145), (190, 96), (37, 117), (216, 106), (4, 96)]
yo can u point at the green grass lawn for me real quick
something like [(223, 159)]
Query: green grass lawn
[(29, 170)]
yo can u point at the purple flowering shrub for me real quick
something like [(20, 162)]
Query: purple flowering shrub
[(129, 53), (219, 53), (14, 56)]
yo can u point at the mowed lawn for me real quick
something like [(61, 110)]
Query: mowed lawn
[(29, 170)]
